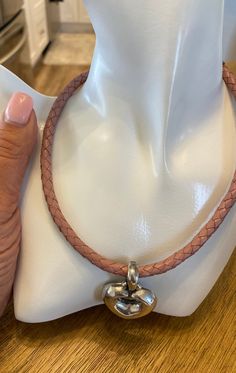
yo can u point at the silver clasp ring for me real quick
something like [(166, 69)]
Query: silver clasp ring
[(132, 276)]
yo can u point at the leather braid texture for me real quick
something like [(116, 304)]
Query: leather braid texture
[(98, 260)]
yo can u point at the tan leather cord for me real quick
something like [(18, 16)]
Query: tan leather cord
[(103, 263)]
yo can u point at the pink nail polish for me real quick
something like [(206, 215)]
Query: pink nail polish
[(19, 109)]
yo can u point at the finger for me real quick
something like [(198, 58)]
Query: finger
[(18, 134)]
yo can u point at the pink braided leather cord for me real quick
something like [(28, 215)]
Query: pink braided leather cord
[(103, 263)]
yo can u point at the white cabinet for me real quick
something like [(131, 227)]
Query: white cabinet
[(69, 11), (73, 11), (38, 38), (83, 15)]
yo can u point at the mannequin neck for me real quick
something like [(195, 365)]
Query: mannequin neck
[(159, 49)]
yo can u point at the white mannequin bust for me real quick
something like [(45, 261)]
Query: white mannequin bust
[(143, 154)]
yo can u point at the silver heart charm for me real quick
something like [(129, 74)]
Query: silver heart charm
[(129, 299)]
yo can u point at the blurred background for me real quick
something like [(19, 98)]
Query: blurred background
[(45, 42)]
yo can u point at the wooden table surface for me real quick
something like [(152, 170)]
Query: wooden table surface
[(95, 340)]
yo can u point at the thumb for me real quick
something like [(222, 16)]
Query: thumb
[(18, 134)]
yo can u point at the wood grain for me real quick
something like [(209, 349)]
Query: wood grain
[(95, 340)]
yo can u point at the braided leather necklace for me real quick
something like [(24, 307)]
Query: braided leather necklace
[(126, 299)]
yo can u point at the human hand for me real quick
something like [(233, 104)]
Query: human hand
[(18, 135)]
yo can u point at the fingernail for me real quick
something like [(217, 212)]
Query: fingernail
[(19, 109)]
